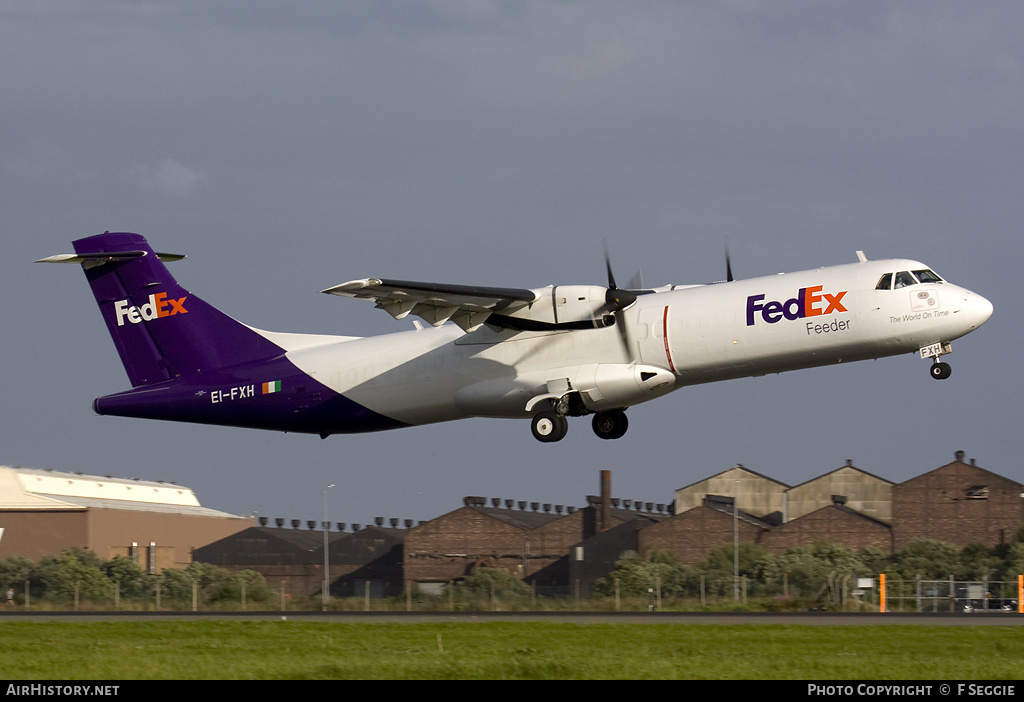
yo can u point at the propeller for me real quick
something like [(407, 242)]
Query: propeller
[(616, 300), (729, 277), (637, 281)]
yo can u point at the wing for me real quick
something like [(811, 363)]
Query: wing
[(437, 303)]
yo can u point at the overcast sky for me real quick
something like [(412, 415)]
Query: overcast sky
[(290, 146)]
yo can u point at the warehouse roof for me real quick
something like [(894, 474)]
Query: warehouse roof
[(47, 489)]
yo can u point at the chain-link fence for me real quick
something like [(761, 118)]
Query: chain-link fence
[(951, 595), (835, 592)]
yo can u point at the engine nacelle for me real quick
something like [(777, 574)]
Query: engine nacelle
[(566, 304)]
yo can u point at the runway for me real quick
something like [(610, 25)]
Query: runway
[(704, 618)]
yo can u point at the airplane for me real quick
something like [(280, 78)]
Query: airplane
[(544, 354)]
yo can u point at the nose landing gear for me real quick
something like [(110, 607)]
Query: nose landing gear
[(939, 369)]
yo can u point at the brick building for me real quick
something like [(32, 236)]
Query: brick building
[(959, 503), (554, 545), (692, 535), (835, 523), (292, 560), (596, 556), (453, 545), (534, 544)]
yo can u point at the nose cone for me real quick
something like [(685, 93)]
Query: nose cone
[(976, 309)]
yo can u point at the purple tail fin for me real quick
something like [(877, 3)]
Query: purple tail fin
[(161, 330)]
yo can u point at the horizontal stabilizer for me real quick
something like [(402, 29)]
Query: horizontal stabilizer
[(91, 260)]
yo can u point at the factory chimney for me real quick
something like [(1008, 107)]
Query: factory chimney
[(605, 520)]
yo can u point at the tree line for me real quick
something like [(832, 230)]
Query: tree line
[(75, 575), (821, 572), (816, 569)]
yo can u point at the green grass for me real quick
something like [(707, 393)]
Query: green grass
[(245, 650)]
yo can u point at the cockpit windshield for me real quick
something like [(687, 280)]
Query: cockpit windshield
[(904, 279), (927, 276)]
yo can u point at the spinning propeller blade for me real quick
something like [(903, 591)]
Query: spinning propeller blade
[(616, 300)]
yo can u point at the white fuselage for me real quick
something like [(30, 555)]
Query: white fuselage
[(674, 336)]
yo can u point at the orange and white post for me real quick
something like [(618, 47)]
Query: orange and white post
[(881, 592)]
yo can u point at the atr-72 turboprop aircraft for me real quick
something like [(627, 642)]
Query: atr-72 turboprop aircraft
[(546, 354)]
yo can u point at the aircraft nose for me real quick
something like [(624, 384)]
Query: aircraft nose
[(977, 309)]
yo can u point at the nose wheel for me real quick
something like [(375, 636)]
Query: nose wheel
[(939, 369)]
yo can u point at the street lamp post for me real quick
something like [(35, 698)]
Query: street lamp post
[(736, 543), (327, 560)]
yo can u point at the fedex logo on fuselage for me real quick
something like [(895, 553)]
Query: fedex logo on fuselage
[(158, 306), (809, 302)]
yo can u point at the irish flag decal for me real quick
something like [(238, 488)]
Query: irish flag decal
[(272, 386)]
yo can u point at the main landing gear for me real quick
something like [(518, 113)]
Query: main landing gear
[(550, 426), (610, 425)]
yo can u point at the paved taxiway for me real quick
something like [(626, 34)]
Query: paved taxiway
[(712, 618)]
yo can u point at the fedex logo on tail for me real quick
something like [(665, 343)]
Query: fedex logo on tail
[(809, 302), (158, 306)]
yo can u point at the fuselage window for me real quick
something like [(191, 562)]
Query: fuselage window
[(927, 276), (885, 282), (904, 279)]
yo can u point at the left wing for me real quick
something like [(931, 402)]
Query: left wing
[(436, 303)]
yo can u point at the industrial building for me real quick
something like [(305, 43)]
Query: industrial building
[(43, 512), (529, 539), (292, 560), (959, 503), (542, 543), (861, 491), (551, 545), (754, 493)]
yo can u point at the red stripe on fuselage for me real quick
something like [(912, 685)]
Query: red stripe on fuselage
[(668, 353)]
